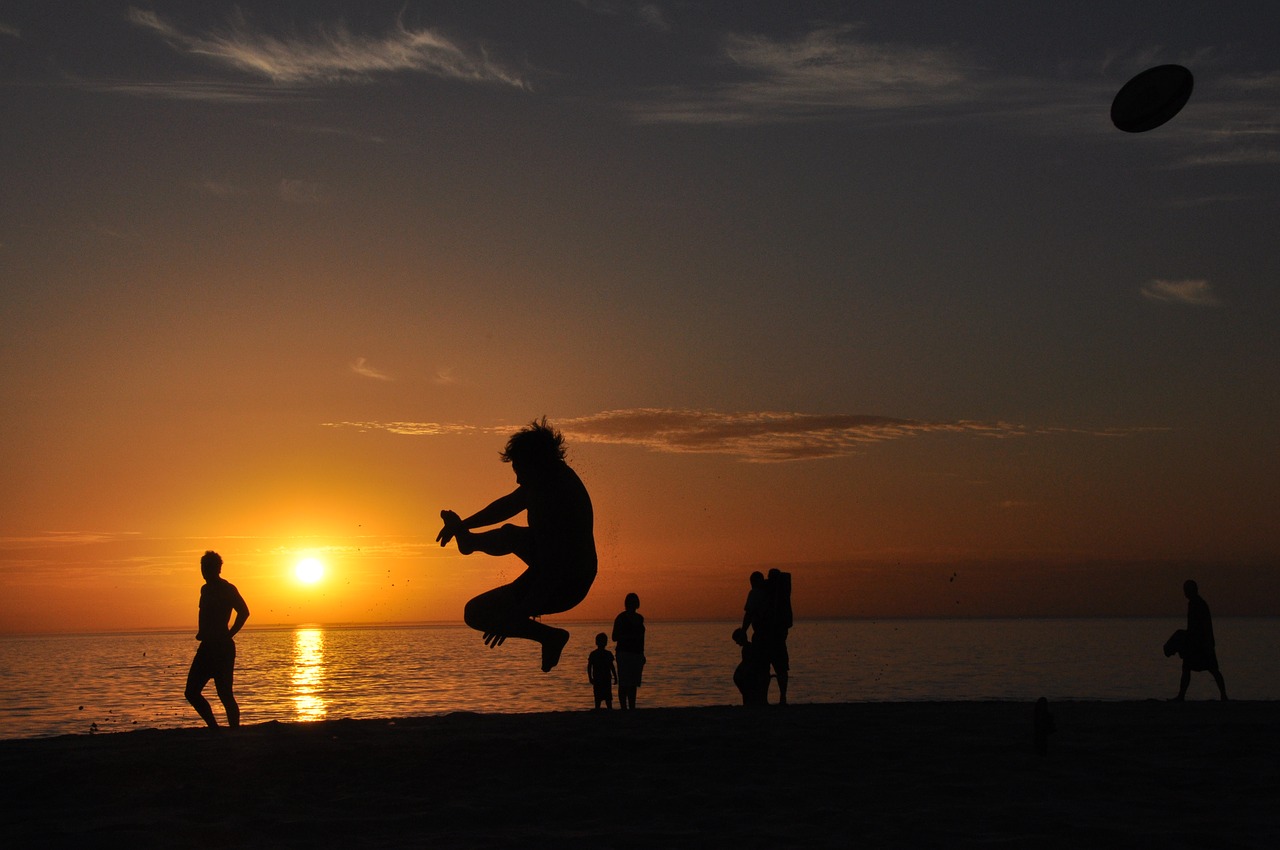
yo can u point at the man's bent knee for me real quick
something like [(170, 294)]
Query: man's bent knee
[(477, 615)]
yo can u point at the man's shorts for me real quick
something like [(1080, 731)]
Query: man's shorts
[(214, 660)]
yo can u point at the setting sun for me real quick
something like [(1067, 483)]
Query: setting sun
[(309, 570)]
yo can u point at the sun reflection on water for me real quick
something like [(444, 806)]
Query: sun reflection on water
[(308, 674)]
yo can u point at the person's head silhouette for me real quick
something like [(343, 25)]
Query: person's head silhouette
[(210, 565), (533, 449)]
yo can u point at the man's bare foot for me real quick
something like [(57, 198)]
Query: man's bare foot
[(446, 533), (552, 647), (453, 528)]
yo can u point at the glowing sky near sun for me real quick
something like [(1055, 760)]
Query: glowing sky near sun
[(874, 294)]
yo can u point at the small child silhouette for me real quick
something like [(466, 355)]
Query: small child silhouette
[(752, 673), (601, 672)]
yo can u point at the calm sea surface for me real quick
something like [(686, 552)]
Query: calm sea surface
[(58, 684)]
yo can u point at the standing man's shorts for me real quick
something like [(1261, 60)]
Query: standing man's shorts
[(214, 660)]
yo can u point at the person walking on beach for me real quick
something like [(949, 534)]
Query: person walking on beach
[(601, 673), (557, 546), (216, 656), (628, 635), (1198, 647)]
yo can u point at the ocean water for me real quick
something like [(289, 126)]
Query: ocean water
[(81, 684)]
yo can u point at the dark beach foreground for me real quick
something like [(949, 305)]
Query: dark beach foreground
[(1151, 774)]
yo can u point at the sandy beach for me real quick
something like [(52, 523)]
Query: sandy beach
[(1148, 773)]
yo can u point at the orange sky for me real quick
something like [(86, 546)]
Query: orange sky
[(876, 296), (896, 531)]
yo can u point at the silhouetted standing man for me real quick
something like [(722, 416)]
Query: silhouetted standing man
[(216, 657), (1198, 652)]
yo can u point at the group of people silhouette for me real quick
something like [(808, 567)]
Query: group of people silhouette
[(558, 549), (604, 669), (767, 613)]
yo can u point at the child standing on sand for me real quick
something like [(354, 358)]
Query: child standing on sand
[(601, 673)]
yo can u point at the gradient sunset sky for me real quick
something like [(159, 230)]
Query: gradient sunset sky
[(873, 292)]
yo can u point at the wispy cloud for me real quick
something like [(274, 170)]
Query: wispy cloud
[(295, 191), (220, 189), (1197, 293), (11, 31), (330, 54), (759, 437), (1232, 120), (361, 367), (765, 436), (823, 72), (445, 377), (1250, 155), (209, 92), (46, 539), (648, 15), (360, 135), (775, 436), (415, 429)]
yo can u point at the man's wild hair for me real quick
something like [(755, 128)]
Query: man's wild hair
[(535, 443)]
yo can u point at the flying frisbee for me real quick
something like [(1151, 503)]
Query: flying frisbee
[(1151, 98)]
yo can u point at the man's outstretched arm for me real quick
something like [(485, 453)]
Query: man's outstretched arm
[(499, 510)]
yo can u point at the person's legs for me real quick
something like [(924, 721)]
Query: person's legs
[(197, 678), (224, 682), (501, 613), (781, 664), (228, 701), (629, 665), (742, 679), (1186, 681), (504, 540), (1222, 685), (508, 611), (761, 686)]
